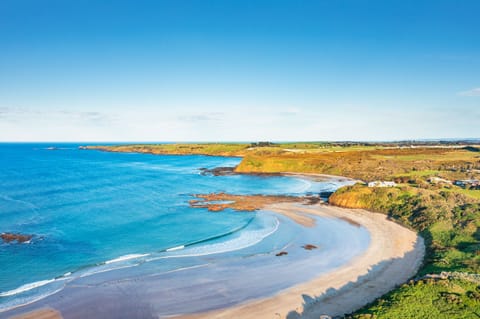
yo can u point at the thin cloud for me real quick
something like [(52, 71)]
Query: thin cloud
[(7, 112), (21, 113), (290, 111), (472, 92), (4, 111), (202, 117), (96, 117)]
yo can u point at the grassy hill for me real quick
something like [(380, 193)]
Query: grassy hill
[(447, 216)]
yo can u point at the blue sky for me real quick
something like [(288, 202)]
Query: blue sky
[(238, 70)]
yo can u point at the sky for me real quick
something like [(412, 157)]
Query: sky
[(239, 70)]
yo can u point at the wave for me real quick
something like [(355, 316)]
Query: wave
[(126, 257), (244, 240), (133, 260), (231, 232), (175, 248), (99, 269), (51, 286), (131, 257), (305, 187), (28, 300), (206, 246), (26, 287)]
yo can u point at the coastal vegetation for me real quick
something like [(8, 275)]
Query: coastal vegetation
[(427, 298), (424, 197), (217, 149)]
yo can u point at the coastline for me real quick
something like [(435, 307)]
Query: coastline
[(317, 176), (394, 256)]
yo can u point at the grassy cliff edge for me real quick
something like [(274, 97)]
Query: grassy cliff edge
[(424, 199)]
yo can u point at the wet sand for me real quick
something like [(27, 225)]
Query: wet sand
[(394, 255), (46, 313)]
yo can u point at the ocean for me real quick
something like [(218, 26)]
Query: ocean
[(93, 212)]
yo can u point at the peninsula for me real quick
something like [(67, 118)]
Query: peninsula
[(429, 187)]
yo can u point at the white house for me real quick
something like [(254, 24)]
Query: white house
[(438, 180), (381, 184)]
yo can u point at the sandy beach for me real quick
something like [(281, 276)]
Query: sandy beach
[(46, 313), (394, 256)]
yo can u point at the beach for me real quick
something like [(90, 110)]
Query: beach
[(392, 257)]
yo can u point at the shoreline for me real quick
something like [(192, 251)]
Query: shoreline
[(395, 254), (214, 281), (316, 175)]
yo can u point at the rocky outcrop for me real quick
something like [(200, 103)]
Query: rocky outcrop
[(12, 238), (216, 202), (218, 171)]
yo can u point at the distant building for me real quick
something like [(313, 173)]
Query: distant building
[(381, 184), (468, 183), (438, 180)]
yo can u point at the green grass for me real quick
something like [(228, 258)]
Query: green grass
[(422, 173), (447, 217), (427, 299), (226, 149), (449, 222), (468, 192)]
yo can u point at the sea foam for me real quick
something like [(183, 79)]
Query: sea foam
[(26, 287)]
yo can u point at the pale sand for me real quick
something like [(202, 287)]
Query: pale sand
[(44, 313), (394, 255), (321, 177)]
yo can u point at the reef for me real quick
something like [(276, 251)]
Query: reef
[(18, 238), (217, 202)]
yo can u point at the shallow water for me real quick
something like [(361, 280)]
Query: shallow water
[(91, 212)]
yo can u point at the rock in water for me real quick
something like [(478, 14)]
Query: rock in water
[(19, 238)]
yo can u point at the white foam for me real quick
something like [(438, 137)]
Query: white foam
[(26, 287), (306, 185), (22, 302), (99, 270), (126, 257), (175, 248), (244, 240)]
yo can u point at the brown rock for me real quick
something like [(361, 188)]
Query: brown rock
[(9, 237), (282, 253), (216, 207), (218, 171), (238, 202), (309, 247)]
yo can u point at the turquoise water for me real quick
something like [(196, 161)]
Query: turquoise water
[(92, 211)]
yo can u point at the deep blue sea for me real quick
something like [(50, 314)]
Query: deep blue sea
[(92, 211)]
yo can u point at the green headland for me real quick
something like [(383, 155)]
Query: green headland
[(435, 191)]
